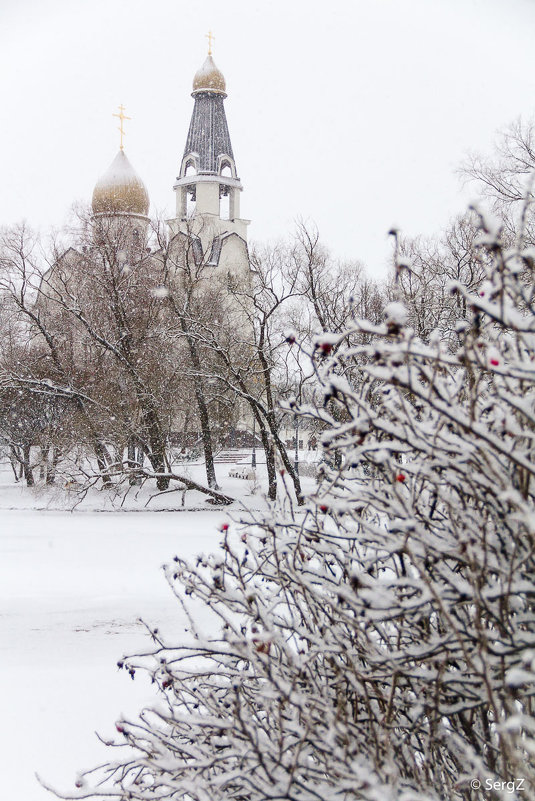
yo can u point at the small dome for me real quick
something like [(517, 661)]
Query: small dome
[(209, 78), (120, 190)]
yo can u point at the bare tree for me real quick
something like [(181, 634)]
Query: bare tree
[(426, 270), (506, 177), (97, 327), (335, 291), (192, 296), (379, 644)]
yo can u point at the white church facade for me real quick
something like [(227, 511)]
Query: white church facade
[(206, 231)]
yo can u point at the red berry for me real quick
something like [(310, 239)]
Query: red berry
[(495, 362), (326, 347), (401, 477), (324, 508), (262, 647), (119, 728), (225, 527)]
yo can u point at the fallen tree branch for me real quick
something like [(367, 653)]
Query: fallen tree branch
[(219, 497)]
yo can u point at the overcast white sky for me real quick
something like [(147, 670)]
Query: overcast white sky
[(354, 113)]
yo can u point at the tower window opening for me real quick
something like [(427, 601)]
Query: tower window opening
[(190, 168), (224, 203), (190, 203), (226, 169)]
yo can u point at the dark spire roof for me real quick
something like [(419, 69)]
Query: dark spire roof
[(208, 134)]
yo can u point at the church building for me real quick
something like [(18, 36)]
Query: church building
[(207, 187), (141, 323), (207, 246)]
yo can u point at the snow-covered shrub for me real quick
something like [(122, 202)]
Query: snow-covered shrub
[(378, 644)]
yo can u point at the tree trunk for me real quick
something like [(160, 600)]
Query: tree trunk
[(286, 460), (43, 462), (100, 453), (26, 466), (272, 421), (156, 455), (269, 450), (204, 417), (131, 461), (14, 461), (51, 466)]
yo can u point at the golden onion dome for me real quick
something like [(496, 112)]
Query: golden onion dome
[(120, 190), (209, 79)]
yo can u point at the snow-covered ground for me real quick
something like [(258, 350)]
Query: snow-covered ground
[(72, 586), (247, 492), (18, 496)]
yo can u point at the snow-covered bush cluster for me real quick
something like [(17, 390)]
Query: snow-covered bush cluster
[(378, 643)]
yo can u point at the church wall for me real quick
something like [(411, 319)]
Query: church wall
[(234, 260)]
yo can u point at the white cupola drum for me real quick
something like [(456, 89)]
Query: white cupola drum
[(208, 174)]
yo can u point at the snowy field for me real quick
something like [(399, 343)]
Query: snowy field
[(72, 586)]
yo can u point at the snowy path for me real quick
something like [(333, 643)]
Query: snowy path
[(71, 589)]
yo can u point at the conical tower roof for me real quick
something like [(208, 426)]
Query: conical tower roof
[(208, 135)]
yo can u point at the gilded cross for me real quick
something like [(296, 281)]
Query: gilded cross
[(210, 36), (122, 116)]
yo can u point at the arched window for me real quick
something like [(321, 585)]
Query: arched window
[(224, 202), (191, 201), (190, 168)]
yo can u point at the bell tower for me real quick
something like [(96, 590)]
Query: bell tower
[(208, 187)]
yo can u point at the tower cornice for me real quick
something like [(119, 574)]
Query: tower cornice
[(208, 177), (215, 92)]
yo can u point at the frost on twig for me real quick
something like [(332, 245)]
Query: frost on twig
[(377, 642)]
